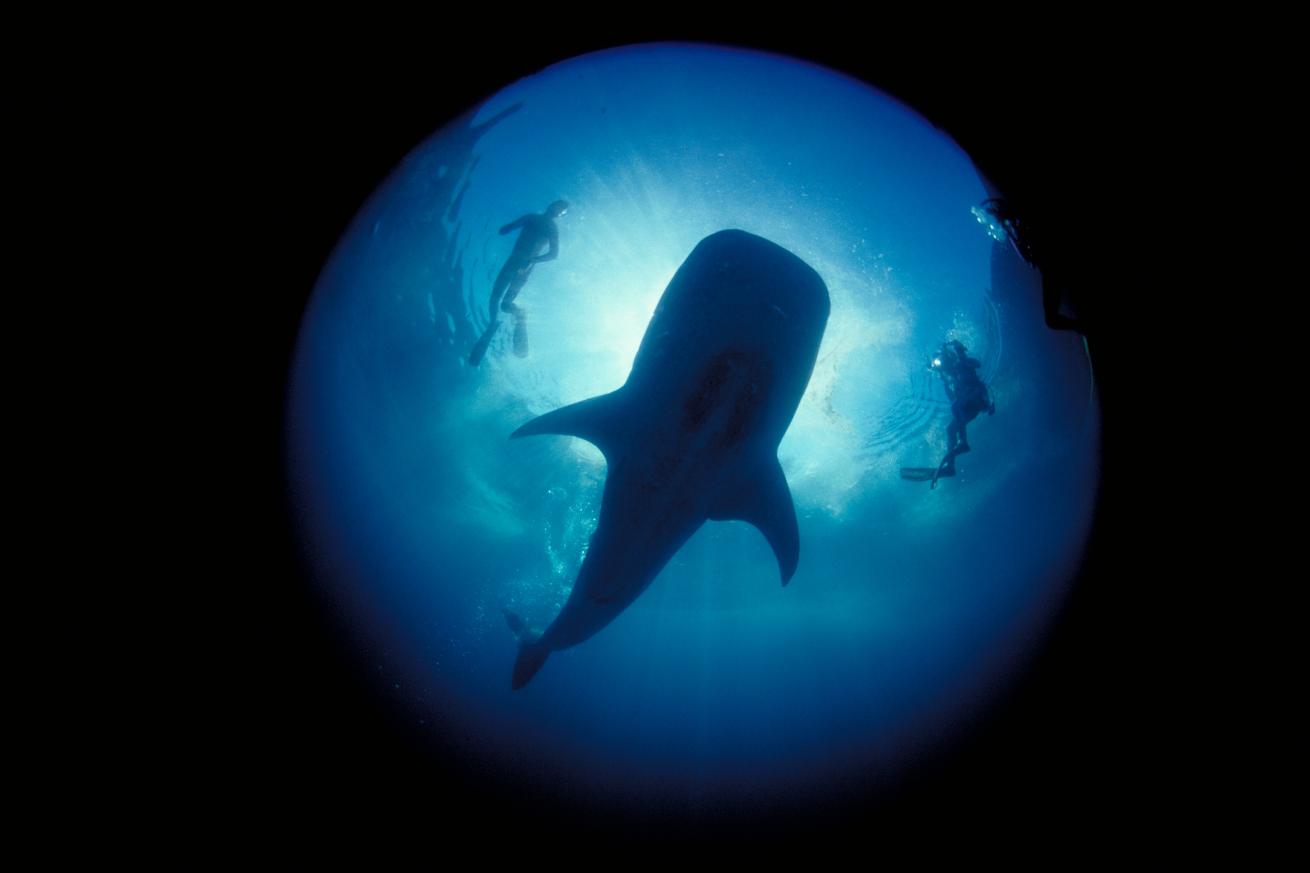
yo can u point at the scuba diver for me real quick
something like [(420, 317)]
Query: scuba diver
[(537, 232), (968, 396)]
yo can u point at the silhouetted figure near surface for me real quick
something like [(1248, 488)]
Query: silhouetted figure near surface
[(1024, 239), (536, 233), (968, 396)]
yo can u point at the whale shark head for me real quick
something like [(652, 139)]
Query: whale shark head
[(741, 297)]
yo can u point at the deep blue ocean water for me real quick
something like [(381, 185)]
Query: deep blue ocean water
[(911, 608)]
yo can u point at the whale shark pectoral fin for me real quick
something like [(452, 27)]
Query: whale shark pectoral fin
[(598, 420), (760, 496)]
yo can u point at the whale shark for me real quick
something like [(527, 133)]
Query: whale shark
[(692, 435)]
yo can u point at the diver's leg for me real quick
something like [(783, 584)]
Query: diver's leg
[(520, 319), (520, 332), (503, 281), (945, 468), (507, 274), (516, 283), (978, 402)]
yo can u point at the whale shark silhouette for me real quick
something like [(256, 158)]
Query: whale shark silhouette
[(693, 433)]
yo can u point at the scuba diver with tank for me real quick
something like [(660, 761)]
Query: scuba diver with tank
[(969, 397)]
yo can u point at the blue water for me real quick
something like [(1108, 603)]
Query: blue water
[(911, 607)]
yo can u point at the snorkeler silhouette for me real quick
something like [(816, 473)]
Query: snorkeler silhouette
[(538, 232), (968, 396)]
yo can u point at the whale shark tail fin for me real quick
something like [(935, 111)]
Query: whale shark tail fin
[(531, 653), (598, 420)]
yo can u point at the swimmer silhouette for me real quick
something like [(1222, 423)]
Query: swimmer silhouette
[(536, 232)]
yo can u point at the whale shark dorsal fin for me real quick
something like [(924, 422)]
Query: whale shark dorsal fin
[(598, 420), (759, 494)]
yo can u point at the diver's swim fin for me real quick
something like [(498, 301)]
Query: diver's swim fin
[(480, 350), (520, 334), (927, 474), (947, 468)]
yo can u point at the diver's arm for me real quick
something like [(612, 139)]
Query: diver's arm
[(553, 252), (513, 224)]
